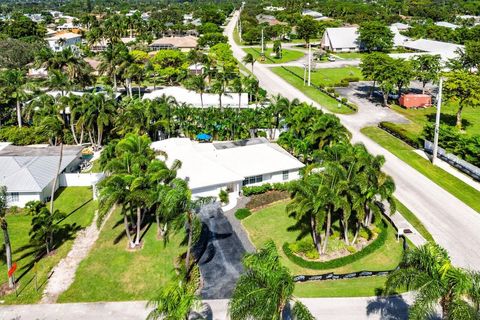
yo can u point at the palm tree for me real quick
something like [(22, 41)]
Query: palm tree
[(110, 58), (266, 289), (249, 59), (429, 271), (15, 85), (175, 301), (197, 84), (4, 226)]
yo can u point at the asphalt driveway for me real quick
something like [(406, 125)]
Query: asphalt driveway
[(220, 264)]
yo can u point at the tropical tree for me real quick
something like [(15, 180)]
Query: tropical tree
[(277, 49), (14, 87), (6, 236), (370, 66), (427, 68), (197, 84), (463, 87), (307, 28), (375, 36), (266, 289), (429, 271), (110, 58), (249, 59)]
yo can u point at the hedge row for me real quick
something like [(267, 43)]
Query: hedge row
[(401, 134), (329, 91), (279, 186), (340, 262)]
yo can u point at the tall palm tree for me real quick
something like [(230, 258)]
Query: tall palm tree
[(6, 236), (110, 58), (14, 83), (429, 271), (265, 289), (249, 59), (197, 84)]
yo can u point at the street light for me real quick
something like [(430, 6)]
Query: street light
[(437, 122), (309, 63)]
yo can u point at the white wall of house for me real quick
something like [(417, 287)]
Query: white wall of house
[(80, 179), (20, 199), (214, 191), (57, 46), (275, 177)]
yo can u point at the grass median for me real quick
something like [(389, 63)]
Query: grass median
[(406, 153), (287, 55), (321, 98)]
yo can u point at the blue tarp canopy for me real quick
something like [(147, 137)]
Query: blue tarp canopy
[(204, 137)]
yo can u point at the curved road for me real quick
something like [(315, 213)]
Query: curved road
[(453, 224)]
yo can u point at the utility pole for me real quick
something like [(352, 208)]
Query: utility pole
[(263, 47), (240, 29), (437, 121), (309, 64)]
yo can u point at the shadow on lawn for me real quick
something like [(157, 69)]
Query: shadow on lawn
[(388, 308), (449, 120)]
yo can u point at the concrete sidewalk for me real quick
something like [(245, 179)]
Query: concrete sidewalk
[(368, 308)]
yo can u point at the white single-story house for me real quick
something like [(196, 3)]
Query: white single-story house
[(447, 25), (400, 26), (314, 14), (445, 49), (28, 172), (345, 39), (212, 167), (61, 41), (192, 98)]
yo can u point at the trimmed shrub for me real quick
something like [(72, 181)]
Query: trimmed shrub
[(344, 100), (277, 186), (223, 196), (401, 134), (263, 199), (340, 262), (241, 214)]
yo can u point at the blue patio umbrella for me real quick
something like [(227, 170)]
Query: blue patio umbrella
[(204, 137)]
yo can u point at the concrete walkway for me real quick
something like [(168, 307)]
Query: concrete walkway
[(368, 308), (63, 274), (238, 227)]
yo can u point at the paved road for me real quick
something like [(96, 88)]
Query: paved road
[(322, 308), (453, 224), (221, 264)]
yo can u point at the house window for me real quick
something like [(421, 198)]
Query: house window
[(252, 180), (285, 175), (13, 196)]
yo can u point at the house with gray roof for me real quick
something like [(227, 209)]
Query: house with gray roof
[(28, 172)]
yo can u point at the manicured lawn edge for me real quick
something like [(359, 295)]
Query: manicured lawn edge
[(340, 262), (414, 221), (406, 153)]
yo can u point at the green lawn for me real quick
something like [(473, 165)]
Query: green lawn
[(273, 222), (329, 77), (112, 273), (361, 287), (287, 55), (417, 224), (420, 117), (404, 152), (78, 204), (321, 98)]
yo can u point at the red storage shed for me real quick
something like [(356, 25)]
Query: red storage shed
[(411, 100)]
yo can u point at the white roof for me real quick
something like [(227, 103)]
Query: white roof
[(447, 25), (400, 25), (398, 39), (312, 13), (183, 95), (67, 35), (206, 164), (345, 37), (445, 49), (197, 168)]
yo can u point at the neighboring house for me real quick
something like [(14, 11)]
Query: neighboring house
[(182, 43), (67, 26), (475, 19), (401, 26), (192, 98), (28, 172), (314, 14), (61, 41), (269, 19), (445, 49), (273, 9), (101, 45), (211, 167), (345, 39), (447, 25)]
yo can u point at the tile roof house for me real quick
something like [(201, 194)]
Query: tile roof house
[(28, 172)]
